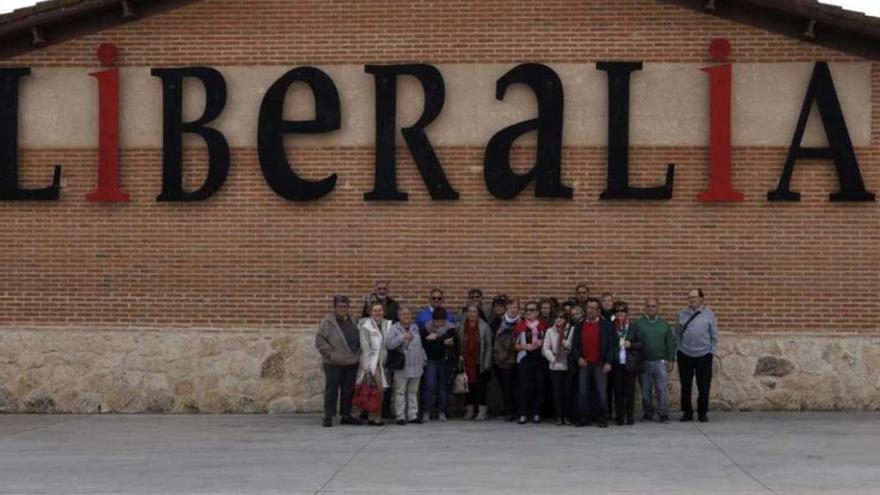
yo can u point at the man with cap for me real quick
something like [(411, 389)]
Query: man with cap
[(338, 342)]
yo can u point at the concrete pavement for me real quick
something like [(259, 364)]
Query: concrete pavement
[(736, 453)]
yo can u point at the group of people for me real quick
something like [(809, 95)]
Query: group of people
[(588, 350)]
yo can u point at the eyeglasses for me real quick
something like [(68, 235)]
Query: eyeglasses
[(475, 296), (437, 298), (381, 288)]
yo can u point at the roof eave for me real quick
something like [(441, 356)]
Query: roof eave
[(809, 22), (32, 31)]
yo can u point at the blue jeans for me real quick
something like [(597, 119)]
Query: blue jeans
[(592, 384), (436, 380), (654, 381)]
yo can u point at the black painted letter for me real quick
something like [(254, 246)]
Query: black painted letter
[(501, 180), (385, 187), (9, 190), (618, 138), (173, 128), (272, 128), (840, 149)]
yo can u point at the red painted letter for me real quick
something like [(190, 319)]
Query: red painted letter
[(720, 186), (108, 128)]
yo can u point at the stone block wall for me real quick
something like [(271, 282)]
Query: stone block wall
[(60, 371)]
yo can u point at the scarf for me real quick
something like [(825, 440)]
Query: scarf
[(621, 323), (560, 341), (506, 324), (534, 327), (471, 349), (432, 328)]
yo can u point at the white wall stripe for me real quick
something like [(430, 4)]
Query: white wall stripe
[(669, 105)]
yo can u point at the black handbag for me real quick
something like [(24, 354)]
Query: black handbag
[(395, 360)]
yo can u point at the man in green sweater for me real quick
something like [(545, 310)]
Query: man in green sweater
[(658, 353)]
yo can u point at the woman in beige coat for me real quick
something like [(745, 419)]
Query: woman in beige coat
[(373, 331)]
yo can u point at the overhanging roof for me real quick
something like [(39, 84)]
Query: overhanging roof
[(53, 21), (807, 20)]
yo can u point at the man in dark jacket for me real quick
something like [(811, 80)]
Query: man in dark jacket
[(581, 294), (381, 294), (475, 296), (592, 351), (339, 343)]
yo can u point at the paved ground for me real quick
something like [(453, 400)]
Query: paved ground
[(744, 453)]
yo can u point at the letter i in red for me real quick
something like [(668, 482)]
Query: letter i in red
[(108, 128), (720, 77)]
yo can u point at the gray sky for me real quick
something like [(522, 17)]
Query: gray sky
[(871, 7)]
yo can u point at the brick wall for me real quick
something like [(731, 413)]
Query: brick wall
[(229, 32), (247, 258)]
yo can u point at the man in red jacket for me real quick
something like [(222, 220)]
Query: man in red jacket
[(592, 348)]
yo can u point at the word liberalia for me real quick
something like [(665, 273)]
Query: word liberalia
[(500, 178)]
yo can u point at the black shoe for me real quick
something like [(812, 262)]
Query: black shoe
[(348, 420), (401, 422), (375, 423), (630, 421), (581, 423), (328, 422), (416, 421), (619, 421), (664, 419), (686, 417), (560, 422), (647, 417), (704, 418), (603, 424)]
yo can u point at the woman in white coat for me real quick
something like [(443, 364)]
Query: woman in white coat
[(373, 331)]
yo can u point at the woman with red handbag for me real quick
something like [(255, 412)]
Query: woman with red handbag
[(371, 379)]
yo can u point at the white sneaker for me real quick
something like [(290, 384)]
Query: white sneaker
[(442, 417), (469, 412), (482, 415)]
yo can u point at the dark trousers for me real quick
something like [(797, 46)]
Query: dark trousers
[(531, 385), (338, 388), (561, 383), (609, 392), (624, 384), (592, 387), (507, 377), (702, 368), (388, 399), (476, 395)]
